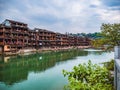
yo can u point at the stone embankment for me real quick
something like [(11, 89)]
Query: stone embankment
[(32, 50)]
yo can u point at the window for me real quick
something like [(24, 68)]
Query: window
[(8, 47)]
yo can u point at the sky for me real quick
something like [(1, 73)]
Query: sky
[(73, 16)]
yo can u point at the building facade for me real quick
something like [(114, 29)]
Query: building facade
[(16, 35)]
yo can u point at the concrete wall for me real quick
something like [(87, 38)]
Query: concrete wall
[(117, 68), (117, 52)]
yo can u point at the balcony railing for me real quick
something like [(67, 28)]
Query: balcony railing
[(1, 43), (1, 30), (1, 36)]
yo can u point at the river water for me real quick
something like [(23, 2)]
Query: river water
[(43, 71)]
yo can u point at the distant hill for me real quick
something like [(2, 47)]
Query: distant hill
[(95, 35)]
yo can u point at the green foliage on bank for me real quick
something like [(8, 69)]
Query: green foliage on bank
[(89, 77), (110, 36), (94, 35), (109, 65)]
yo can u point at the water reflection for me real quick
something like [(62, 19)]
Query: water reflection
[(16, 69)]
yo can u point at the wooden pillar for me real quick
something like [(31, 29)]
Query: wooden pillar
[(2, 47)]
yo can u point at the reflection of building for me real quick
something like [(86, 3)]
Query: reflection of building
[(6, 59), (17, 68), (16, 35)]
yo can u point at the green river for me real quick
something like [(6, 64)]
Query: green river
[(43, 71)]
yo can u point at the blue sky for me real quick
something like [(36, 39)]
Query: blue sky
[(74, 16)]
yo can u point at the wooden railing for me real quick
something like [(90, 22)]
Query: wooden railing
[(1, 43)]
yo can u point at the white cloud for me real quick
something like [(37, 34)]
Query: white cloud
[(110, 16), (72, 15), (96, 2)]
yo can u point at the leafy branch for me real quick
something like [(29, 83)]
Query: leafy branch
[(89, 77)]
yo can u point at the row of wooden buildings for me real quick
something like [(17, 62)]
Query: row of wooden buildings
[(16, 35)]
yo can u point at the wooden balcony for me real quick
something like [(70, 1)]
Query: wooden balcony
[(1, 43), (21, 37), (7, 31), (7, 36), (14, 32), (8, 43), (1, 36), (1, 30)]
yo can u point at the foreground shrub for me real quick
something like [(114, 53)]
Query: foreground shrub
[(88, 77)]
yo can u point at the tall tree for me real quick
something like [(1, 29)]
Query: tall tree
[(111, 35)]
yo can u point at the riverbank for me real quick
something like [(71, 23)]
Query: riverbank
[(44, 49)]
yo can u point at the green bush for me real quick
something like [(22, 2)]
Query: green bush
[(88, 77), (109, 65)]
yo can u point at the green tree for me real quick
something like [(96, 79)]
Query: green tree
[(89, 77), (110, 34)]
